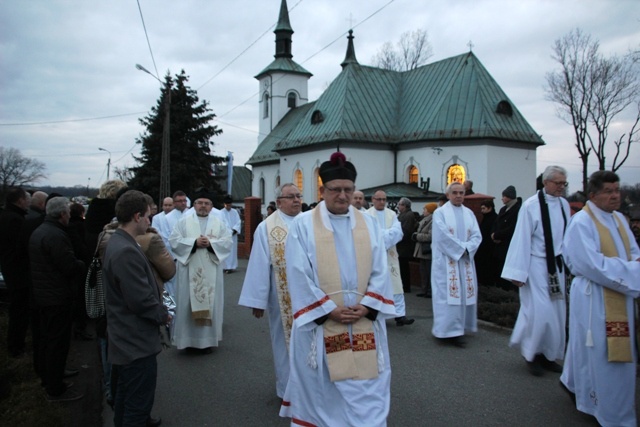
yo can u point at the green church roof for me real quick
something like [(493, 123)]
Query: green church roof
[(285, 65), (452, 99)]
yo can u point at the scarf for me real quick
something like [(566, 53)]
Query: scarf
[(555, 292)]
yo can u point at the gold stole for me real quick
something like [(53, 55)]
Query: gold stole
[(346, 360), (616, 318), (277, 235), (202, 275)]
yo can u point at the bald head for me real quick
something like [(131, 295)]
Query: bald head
[(358, 199), (39, 200)]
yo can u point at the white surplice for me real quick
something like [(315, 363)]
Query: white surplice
[(391, 230), (232, 219), (454, 288), (603, 389), (186, 333), (540, 326), (259, 291), (311, 397)]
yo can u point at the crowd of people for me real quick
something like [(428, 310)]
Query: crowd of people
[(327, 277)]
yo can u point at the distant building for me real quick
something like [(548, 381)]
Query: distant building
[(442, 122)]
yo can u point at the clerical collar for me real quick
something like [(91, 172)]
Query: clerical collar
[(602, 215), (284, 215)]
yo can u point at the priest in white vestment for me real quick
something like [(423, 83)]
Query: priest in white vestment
[(539, 332), (600, 364), (392, 233), (340, 295), (265, 284), (231, 217), (454, 288), (200, 243)]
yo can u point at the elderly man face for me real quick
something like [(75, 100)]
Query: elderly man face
[(555, 185), (203, 206), (167, 205), (358, 199), (608, 198), (379, 200), (456, 194), (290, 202), (337, 195)]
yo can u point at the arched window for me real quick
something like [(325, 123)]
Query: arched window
[(456, 173), (261, 190), (265, 107), (291, 100), (318, 185), (298, 179), (413, 175), (278, 181)]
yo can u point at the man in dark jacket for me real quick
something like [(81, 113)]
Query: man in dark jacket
[(503, 230), (14, 262), (134, 313), (406, 245), (54, 271)]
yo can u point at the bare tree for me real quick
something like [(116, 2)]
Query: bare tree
[(412, 51), (591, 91), (124, 174), (17, 170)]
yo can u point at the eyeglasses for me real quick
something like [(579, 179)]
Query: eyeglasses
[(291, 196), (338, 190), (379, 199), (561, 183)]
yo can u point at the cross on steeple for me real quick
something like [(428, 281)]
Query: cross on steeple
[(470, 44), (350, 20)]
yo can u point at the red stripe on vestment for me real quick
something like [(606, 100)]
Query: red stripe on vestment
[(379, 297), (311, 307), (302, 423), (285, 403)]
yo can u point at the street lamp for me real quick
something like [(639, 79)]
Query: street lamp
[(165, 167), (108, 161)]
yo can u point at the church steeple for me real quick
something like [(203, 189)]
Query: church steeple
[(350, 57), (283, 33)]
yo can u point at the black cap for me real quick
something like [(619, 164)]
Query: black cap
[(337, 167), (510, 192), (203, 193), (227, 199)]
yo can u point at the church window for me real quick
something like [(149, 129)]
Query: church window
[(298, 179), (456, 173), (278, 181), (504, 108), (317, 117), (265, 107), (261, 190), (291, 100), (318, 184), (413, 174)]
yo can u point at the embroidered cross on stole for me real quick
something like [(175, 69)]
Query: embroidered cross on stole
[(277, 235), (346, 359), (616, 317)]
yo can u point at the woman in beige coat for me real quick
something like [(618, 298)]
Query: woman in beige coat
[(423, 235)]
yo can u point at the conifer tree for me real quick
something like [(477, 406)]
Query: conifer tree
[(191, 146)]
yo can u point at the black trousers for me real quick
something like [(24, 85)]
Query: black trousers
[(134, 389), (405, 273), (55, 339), (19, 319)]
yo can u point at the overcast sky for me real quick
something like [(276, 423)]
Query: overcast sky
[(65, 63)]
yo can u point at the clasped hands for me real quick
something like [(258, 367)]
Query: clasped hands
[(203, 242), (348, 314)]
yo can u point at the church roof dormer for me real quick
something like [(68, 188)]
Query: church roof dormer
[(350, 57)]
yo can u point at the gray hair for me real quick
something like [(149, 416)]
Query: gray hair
[(282, 187), (57, 206), (553, 170), (448, 189), (405, 202)]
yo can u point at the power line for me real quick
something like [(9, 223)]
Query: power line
[(72, 120), (148, 42)]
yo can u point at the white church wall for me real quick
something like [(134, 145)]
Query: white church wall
[(511, 166), (270, 175)]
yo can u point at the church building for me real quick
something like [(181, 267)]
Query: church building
[(411, 131)]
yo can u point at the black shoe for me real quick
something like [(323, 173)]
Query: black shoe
[(454, 341), (67, 396), (70, 373), (401, 321), (207, 350), (154, 422), (535, 368), (422, 295), (550, 365)]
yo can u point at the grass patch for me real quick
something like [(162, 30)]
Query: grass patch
[(22, 399), (498, 305)]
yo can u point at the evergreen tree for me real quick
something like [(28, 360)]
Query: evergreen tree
[(192, 161)]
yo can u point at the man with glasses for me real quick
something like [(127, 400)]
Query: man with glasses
[(600, 364), (392, 233), (200, 243), (340, 297), (534, 263), (265, 284)]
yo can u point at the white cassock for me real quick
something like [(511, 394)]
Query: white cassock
[(199, 280), (232, 219), (311, 396), (454, 288), (603, 389), (391, 230), (259, 291), (540, 326)]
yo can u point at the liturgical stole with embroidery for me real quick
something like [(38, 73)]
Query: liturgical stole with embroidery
[(346, 359)]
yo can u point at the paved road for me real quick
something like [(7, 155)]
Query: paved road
[(485, 384)]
